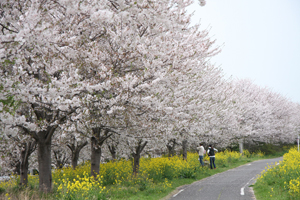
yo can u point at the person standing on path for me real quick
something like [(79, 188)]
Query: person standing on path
[(201, 153), (211, 153)]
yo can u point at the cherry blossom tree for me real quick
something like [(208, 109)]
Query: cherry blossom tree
[(140, 54), (34, 73), (15, 150), (264, 115), (16, 146), (75, 147), (198, 106), (68, 145)]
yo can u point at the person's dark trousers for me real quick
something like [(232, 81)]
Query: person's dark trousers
[(201, 160), (212, 162)]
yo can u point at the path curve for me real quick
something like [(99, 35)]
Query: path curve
[(232, 184)]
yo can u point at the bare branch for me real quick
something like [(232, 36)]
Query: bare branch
[(5, 27)]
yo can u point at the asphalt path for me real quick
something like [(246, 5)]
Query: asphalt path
[(229, 185)]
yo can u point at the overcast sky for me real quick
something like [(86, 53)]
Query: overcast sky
[(260, 40)]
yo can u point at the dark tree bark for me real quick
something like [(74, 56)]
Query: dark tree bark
[(27, 149), (44, 158), (17, 167), (171, 147), (75, 150), (112, 145), (95, 157), (136, 157), (112, 150), (96, 144), (184, 149)]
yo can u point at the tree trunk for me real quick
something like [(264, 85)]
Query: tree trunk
[(75, 157), (171, 147), (24, 172), (27, 150), (95, 157), (112, 150), (136, 163), (96, 143), (16, 167), (44, 159), (241, 148), (136, 157), (184, 149), (75, 150)]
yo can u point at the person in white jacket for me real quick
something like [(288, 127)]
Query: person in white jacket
[(201, 153), (211, 153)]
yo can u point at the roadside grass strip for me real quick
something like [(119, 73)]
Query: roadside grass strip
[(280, 180)]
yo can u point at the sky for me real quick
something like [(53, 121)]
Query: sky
[(260, 40)]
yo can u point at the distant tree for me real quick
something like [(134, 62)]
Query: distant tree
[(264, 115), (15, 151)]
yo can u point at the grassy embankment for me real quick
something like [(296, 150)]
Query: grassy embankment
[(280, 181)]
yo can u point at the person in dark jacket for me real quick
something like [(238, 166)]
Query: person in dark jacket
[(211, 153)]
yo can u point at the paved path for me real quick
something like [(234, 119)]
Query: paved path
[(229, 185)]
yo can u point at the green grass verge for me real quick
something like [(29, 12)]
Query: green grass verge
[(280, 182), (268, 192)]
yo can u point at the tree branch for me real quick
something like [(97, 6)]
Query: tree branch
[(4, 27), (50, 132), (28, 132)]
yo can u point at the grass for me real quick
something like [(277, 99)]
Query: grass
[(280, 182), (158, 179), (268, 192)]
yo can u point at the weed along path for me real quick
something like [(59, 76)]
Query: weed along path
[(229, 185)]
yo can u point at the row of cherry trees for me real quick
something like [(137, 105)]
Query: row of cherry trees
[(126, 77)]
